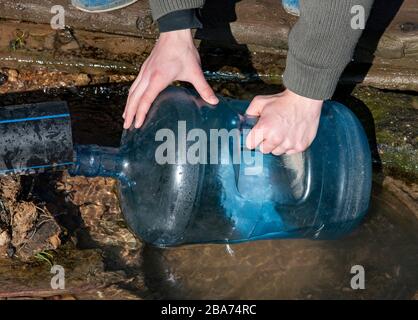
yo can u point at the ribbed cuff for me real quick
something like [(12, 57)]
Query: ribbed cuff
[(160, 8), (308, 81), (179, 20)]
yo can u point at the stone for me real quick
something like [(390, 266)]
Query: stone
[(13, 75), (82, 79)]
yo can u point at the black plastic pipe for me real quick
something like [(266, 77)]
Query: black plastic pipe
[(35, 138)]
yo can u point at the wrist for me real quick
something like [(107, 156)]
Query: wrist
[(177, 35), (303, 100)]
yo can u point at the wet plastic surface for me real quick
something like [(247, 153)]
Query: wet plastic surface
[(35, 138), (321, 193)]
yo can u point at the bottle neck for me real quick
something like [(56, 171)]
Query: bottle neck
[(96, 161)]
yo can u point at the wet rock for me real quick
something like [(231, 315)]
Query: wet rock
[(390, 48)]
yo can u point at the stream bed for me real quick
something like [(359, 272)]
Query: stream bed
[(76, 222)]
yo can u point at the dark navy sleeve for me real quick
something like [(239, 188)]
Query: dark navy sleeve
[(179, 20)]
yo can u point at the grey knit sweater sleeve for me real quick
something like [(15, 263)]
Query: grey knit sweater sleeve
[(160, 8), (321, 43)]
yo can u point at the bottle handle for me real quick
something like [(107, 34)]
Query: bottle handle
[(248, 121), (249, 173)]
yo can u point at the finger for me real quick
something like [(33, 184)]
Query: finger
[(134, 87), (266, 147), (292, 151), (132, 90), (133, 103), (279, 150), (256, 107), (128, 102), (204, 89), (150, 94), (255, 137)]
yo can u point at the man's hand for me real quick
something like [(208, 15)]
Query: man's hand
[(288, 123), (174, 57)]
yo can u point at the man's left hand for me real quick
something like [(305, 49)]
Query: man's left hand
[(288, 123)]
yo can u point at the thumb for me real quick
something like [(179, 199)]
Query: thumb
[(204, 89)]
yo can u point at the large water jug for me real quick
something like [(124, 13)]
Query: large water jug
[(186, 176)]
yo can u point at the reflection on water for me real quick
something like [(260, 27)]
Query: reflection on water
[(386, 245)]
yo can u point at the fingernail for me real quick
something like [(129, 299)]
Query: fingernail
[(213, 100)]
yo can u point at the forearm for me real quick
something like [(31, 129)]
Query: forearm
[(321, 44)]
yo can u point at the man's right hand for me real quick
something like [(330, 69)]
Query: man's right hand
[(174, 57)]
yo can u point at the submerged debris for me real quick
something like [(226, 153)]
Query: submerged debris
[(75, 222), (25, 228)]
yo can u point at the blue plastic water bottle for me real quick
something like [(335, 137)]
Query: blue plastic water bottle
[(291, 6), (186, 176)]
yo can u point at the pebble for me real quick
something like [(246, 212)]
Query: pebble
[(13, 75), (82, 79)]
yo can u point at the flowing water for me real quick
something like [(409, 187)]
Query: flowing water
[(386, 244)]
